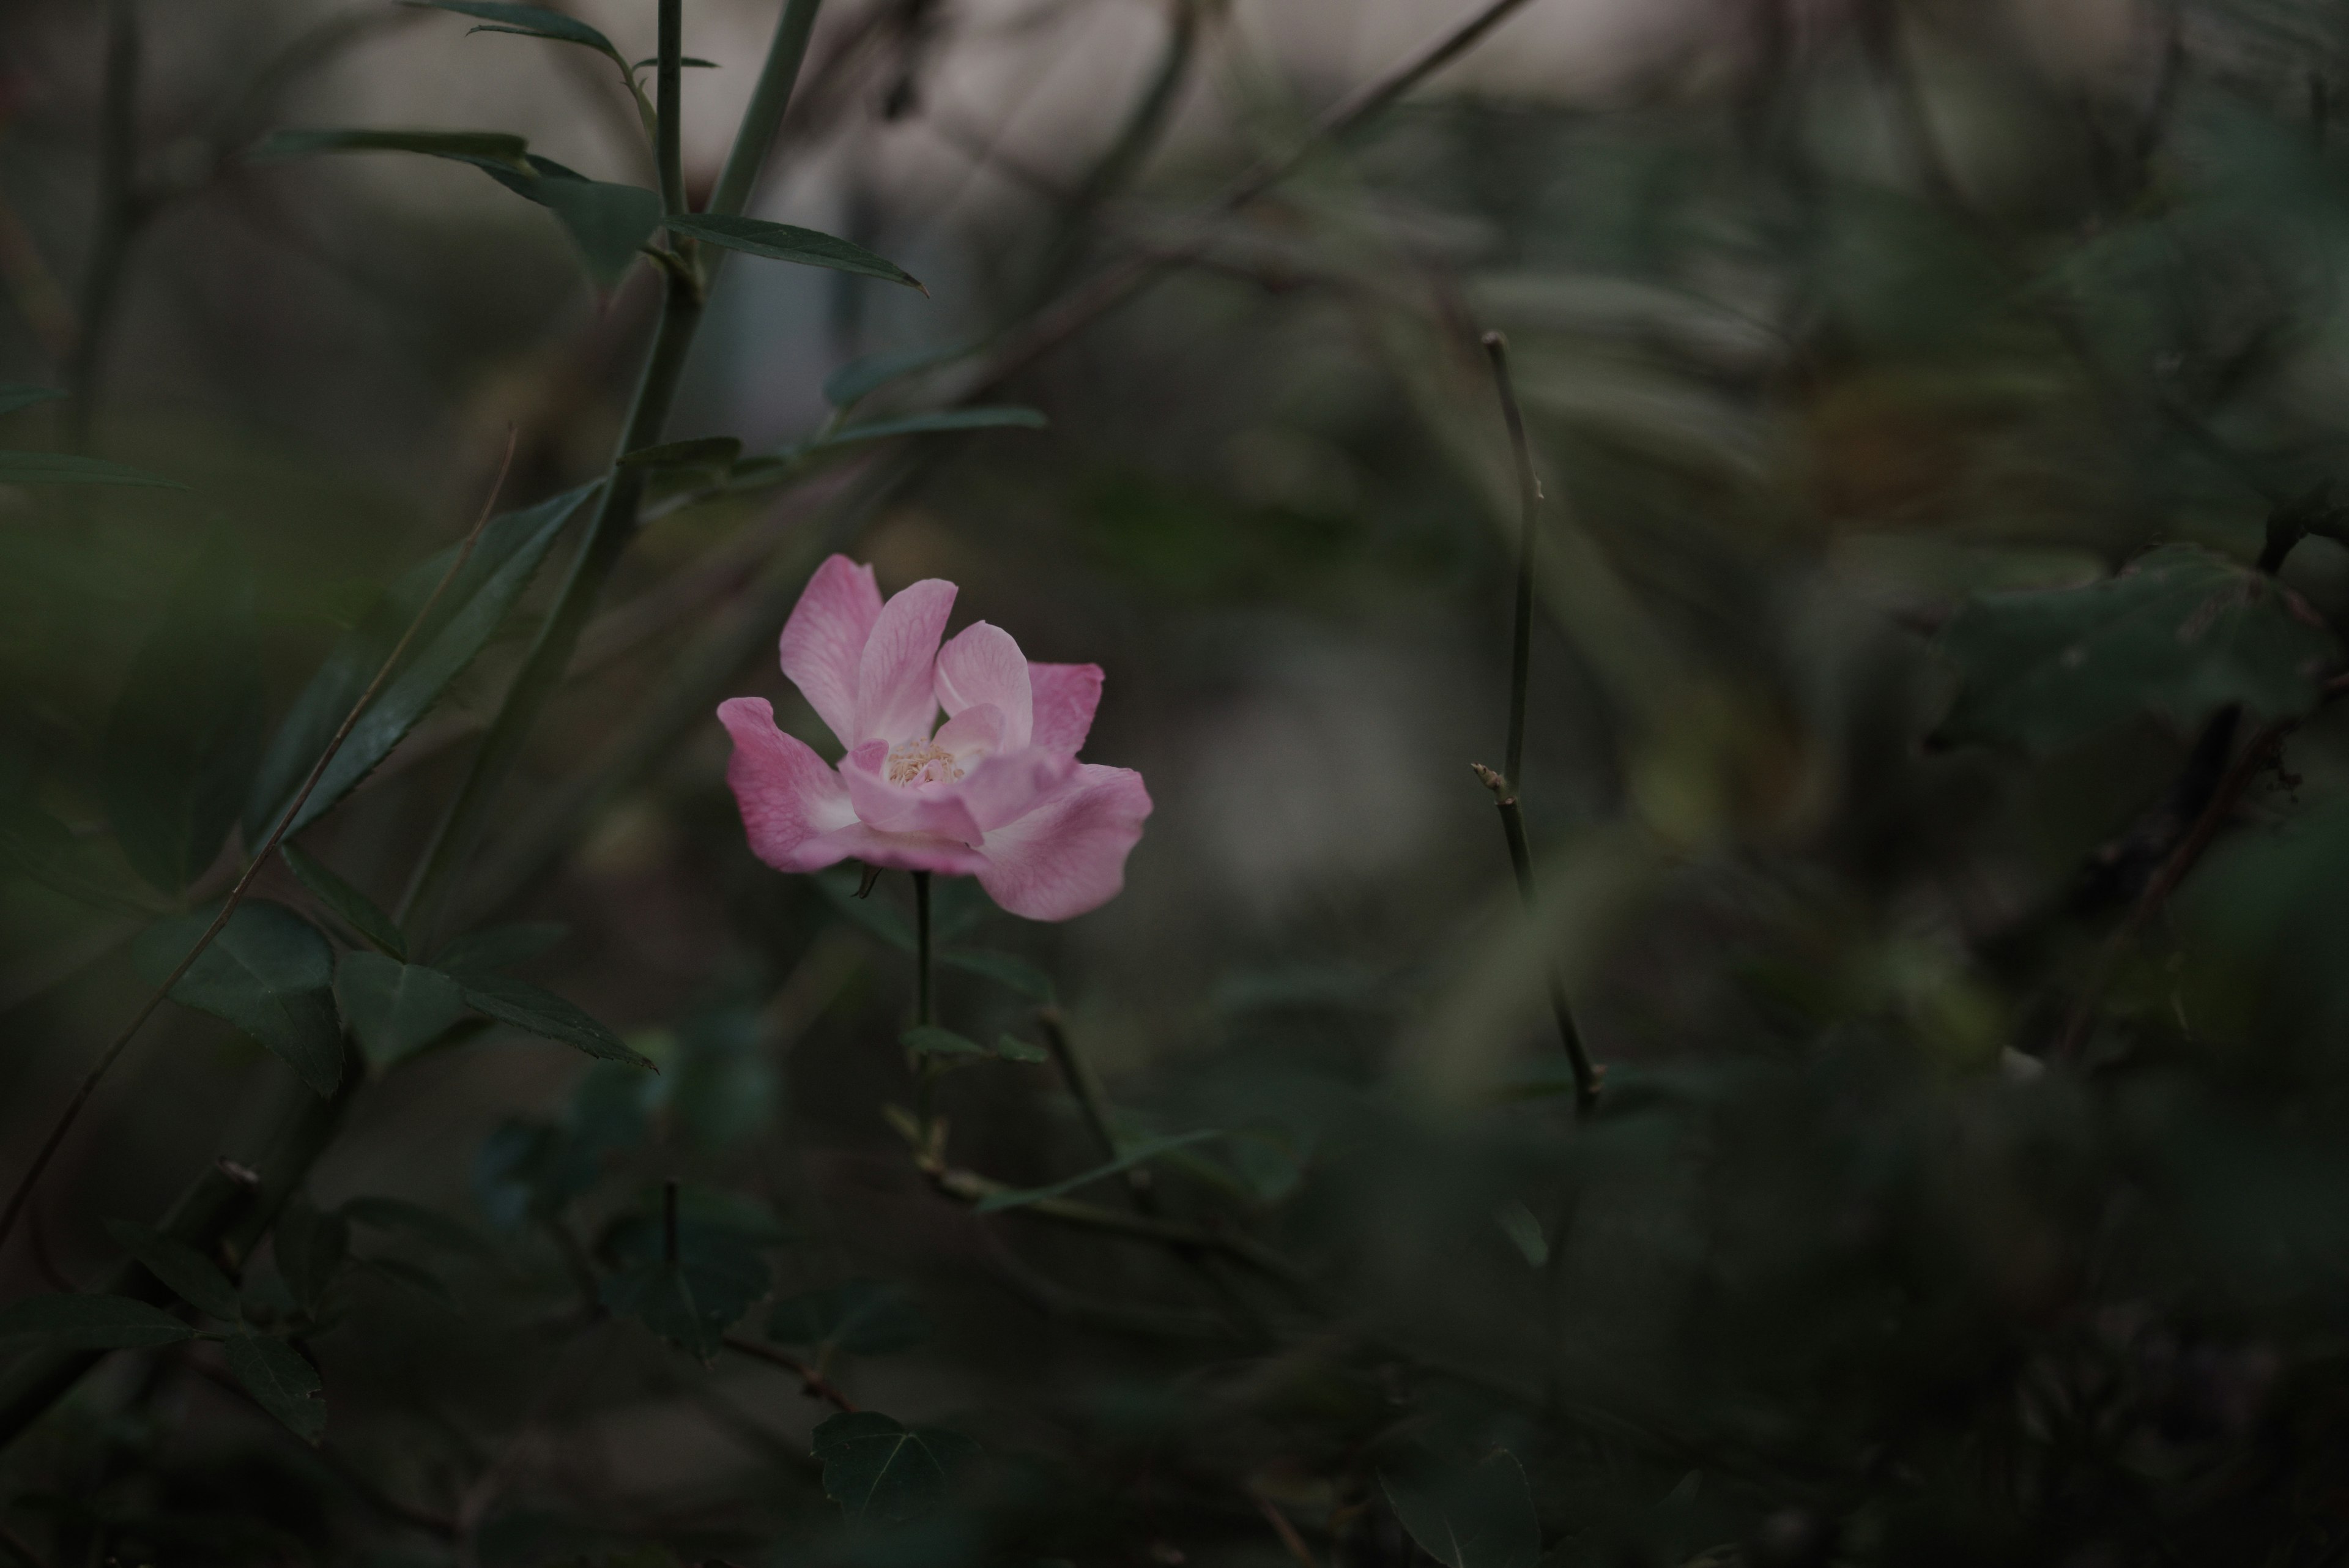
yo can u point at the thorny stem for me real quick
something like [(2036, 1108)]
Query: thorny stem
[(89, 1083), (1505, 785)]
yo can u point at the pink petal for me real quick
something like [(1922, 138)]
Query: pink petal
[(974, 729), (1065, 696), (795, 809), (1068, 856), (934, 811), (1010, 784), (825, 638), (982, 664), (894, 697)]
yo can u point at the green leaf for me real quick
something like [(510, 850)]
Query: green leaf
[(1013, 974), (2181, 633), (268, 972), (929, 1039), (687, 60), (495, 948), (17, 396), (529, 21), (465, 146), (860, 378), (882, 1472), (282, 1381), (782, 241), (92, 1323), (863, 1317), (431, 1224), (660, 1296), (539, 1011), (1468, 1515), (180, 745), (396, 1008), (193, 1277), (1012, 1048), (610, 223), (357, 910), (1137, 1154), (476, 603), (703, 451), (311, 1248), (63, 468), (1524, 1233), (417, 1278), (945, 420)]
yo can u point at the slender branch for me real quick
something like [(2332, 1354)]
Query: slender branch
[(669, 102), (1289, 1539), (89, 1083), (1092, 1102), (969, 1187), (813, 1383)]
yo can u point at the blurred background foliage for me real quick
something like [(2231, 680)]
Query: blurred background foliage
[(1953, 1198)]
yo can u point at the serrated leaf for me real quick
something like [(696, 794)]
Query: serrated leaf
[(883, 1473), (91, 1322), (311, 1249), (396, 1008), (529, 21), (702, 451), (357, 910), (399, 1214), (863, 1317), (17, 396), (1005, 416), (503, 561), (193, 1277), (1136, 1154), (268, 972), (65, 468), (860, 378), (463, 145), (282, 1381), (539, 1011), (1467, 1515), (1013, 974), (2181, 633), (183, 739), (929, 1039), (785, 242), (495, 948)]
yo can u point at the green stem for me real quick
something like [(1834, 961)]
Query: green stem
[(118, 218), (669, 105), (922, 946)]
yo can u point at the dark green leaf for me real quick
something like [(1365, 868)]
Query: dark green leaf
[(608, 222), (193, 1277), (1014, 973), (929, 1039), (420, 1280), (860, 378), (268, 972), (539, 1011), (943, 420), (1467, 1515), (357, 910), (311, 1248), (63, 468), (1012, 1048), (465, 146), (17, 396), (462, 621), (660, 1296), (183, 740), (2181, 633), (863, 1317), (396, 1008), (399, 1214), (682, 60), (704, 451), (530, 21), (492, 950), (782, 241), (883, 1473), (1148, 1149), (92, 1323), (282, 1381)]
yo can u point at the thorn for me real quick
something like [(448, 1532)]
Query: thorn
[(872, 876)]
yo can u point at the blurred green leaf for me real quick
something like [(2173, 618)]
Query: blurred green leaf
[(15, 395), (660, 1296), (539, 1011), (609, 223), (782, 241), (939, 422), (1013, 974), (396, 1008), (702, 451), (311, 1249), (268, 972), (883, 1473), (864, 1317), (694, 1301), (463, 619), (193, 1277), (2181, 633), (1466, 1515), (431, 1224), (357, 910), (91, 1322), (63, 468), (1524, 1233), (929, 1039), (492, 950), (282, 1381), (465, 146), (1137, 1154), (416, 1277), (181, 744), (1012, 1048), (860, 378)]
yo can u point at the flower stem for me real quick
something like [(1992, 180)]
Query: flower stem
[(668, 102), (924, 1075)]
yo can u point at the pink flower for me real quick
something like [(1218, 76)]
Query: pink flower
[(994, 793)]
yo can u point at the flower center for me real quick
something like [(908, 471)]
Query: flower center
[(920, 763)]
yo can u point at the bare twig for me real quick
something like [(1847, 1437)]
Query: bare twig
[(813, 1383), (969, 1187), (1286, 1530), (89, 1083)]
